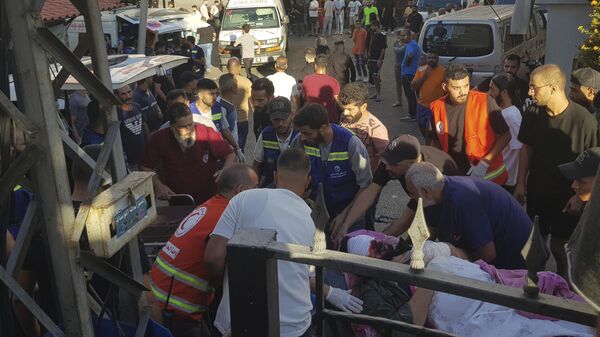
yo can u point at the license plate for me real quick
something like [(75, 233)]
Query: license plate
[(130, 216)]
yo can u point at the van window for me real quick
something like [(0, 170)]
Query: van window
[(461, 40), (511, 40), (265, 17), (541, 20), (532, 28)]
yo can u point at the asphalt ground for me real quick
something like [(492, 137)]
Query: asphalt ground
[(393, 198)]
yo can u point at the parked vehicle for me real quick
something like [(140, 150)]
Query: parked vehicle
[(437, 4), (479, 38), (268, 23), (122, 24)]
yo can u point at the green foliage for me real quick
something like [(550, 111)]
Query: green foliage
[(590, 49)]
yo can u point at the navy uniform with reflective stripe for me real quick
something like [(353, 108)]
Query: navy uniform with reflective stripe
[(271, 153), (217, 113), (339, 181)]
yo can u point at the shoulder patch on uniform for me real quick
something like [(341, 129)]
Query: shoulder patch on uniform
[(190, 221), (439, 127)]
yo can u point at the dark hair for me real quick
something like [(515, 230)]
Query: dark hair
[(159, 44), (455, 72), (375, 22), (191, 39), (321, 62), (354, 93), (312, 115), (233, 176), (142, 81), (78, 171), (206, 84), (293, 160), (264, 84), (175, 93), (176, 111), (434, 51), (246, 27), (513, 57), (93, 111), (226, 82), (507, 82)]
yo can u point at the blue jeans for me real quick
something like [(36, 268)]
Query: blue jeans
[(424, 116), (207, 48), (242, 134)]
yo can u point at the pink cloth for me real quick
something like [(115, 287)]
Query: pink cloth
[(549, 284), (373, 134)]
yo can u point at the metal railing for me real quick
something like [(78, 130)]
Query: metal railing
[(252, 256)]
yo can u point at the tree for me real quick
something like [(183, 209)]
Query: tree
[(590, 49)]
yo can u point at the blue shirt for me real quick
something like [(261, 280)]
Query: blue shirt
[(476, 212), (230, 115), (412, 50)]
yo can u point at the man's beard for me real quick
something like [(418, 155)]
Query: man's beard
[(351, 119), (187, 142), (498, 100)]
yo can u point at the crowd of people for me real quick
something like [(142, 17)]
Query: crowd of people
[(489, 164)]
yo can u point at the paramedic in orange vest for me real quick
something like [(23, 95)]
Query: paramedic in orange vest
[(179, 275), (469, 126)]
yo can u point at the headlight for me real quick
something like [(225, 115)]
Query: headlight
[(272, 41)]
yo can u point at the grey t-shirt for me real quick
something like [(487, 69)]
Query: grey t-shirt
[(247, 41), (359, 157)]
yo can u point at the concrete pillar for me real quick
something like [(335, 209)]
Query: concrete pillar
[(562, 37)]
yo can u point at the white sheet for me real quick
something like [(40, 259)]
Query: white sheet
[(467, 317)]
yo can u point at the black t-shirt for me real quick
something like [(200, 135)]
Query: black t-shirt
[(554, 141), (205, 35), (132, 133), (342, 68), (415, 21), (429, 154), (377, 44), (455, 115), (308, 69)]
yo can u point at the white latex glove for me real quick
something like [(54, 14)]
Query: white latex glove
[(479, 170), (343, 300), (240, 155)]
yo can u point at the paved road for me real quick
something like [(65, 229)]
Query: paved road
[(393, 197)]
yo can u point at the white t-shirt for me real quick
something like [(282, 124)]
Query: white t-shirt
[(283, 144), (247, 41), (513, 118), (283, 211), (285, 85), (329, 6), (353, 6), (204, 12), (313, 9), (214, 11), (339, 5)]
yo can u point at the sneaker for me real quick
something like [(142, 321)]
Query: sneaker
[(397, 104)]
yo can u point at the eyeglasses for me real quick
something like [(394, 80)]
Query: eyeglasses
[(534, 88)]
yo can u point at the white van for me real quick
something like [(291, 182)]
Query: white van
[(120, 23), (480, 37), (268, 23)]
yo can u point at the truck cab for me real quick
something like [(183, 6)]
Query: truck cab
[(268, 23)]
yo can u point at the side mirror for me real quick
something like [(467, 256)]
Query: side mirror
[(286, 20)]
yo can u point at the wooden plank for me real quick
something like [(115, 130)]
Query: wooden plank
[(272, 296), (26, 231), (28, 302), (577, 312), (248, 287), (320, 319), (49, 174), (80, 50), (86, 162), (111, 274), (44, 37), (18, 168), (94, 182), (381, 322), (18, 117)]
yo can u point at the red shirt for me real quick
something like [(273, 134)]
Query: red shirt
[(322, 89), (190, 172)]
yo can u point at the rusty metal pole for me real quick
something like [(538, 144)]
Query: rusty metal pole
[(49, 173)]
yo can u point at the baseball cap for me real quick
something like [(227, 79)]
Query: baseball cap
[(280, 108), (585, 165), (404, 147), (586, 77)]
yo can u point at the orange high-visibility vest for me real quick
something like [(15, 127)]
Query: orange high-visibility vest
[(180, 264), (479, 135)]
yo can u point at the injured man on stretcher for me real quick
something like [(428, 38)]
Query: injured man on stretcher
[(458, 315)]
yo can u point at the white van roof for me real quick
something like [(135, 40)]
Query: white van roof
[(479, 13), (250, 3)]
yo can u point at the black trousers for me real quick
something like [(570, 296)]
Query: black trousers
[(248, 67), (411, 98)]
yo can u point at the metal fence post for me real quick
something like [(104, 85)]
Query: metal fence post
[(253, 286)]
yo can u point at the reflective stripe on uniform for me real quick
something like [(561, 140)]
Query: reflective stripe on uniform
[(216, 117), (312, 151), (181, 276), (268, 144), (337, 156), (496, 173), (176, 302)]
